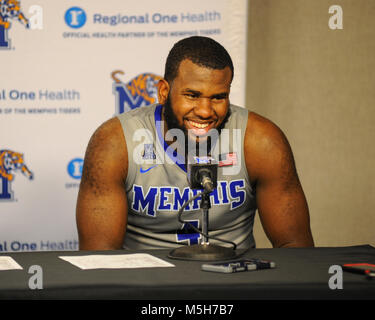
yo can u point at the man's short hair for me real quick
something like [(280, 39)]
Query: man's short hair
[(202, 51)]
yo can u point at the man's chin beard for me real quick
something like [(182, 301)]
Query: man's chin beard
[(170, 118), (201, 143)]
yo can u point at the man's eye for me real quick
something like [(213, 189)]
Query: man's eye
[(191, 95), (219, 98)]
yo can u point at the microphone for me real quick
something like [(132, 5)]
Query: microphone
[(202, 174), (206, 181)]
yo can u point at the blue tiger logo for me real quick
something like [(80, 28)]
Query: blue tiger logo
[(9, 9), (11, 161), (139, 91)]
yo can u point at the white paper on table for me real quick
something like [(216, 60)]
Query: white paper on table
[(8, 263), (119, 261)]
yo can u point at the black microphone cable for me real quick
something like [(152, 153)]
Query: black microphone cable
[(196, 229)]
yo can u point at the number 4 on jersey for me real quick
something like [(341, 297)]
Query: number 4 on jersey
[(188, 234)]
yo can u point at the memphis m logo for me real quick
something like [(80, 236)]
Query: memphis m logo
[(138, 92), (9, 9), (11, 161)]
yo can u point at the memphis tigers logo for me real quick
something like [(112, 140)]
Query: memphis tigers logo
[(10, 162), (9, 9), (138, 92)]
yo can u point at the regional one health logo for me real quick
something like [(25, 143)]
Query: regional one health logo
[(9, 9), (74, 168), (138, 92), (11, 161), (75, 17)]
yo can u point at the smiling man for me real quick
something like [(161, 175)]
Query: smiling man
[(131, 190)]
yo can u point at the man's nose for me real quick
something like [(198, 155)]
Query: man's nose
[(204, 109)]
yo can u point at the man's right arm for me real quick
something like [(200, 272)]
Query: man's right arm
[(101, 211)]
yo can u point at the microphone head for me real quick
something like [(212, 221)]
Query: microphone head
[(202, 173)]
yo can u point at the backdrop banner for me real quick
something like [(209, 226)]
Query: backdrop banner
[(68, 66)]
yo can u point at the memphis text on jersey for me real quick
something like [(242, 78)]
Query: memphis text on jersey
[(168, 198)]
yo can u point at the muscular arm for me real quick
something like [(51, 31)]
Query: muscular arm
[(282, 205), (102, 204)]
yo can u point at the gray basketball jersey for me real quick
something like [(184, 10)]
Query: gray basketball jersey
[(157, 185)]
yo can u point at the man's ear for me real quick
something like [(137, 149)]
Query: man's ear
[(163, 91)]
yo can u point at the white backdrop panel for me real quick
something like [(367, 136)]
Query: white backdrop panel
[(56, 88)]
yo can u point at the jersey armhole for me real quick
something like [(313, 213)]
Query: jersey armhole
[(130, 177), (243, 122)]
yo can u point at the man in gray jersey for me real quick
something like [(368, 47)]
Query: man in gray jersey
[(128, 203)]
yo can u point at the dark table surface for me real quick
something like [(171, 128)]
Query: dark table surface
[(300, 273)]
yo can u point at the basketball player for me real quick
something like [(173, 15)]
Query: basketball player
[(133, 184)]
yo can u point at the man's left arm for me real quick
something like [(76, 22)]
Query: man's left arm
[(282, 205)]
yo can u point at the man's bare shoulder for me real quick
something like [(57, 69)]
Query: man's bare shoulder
[(266, 146), (107, 147), (263, 132)]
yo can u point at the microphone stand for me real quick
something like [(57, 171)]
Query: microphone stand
[(205, 206), (203, 251)]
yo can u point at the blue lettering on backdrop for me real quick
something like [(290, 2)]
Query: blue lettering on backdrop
[(3, 37), (75, 18), (159, 18), (5, 192), (22, 246)]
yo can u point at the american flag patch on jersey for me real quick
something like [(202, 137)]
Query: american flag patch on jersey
[(228, 159)]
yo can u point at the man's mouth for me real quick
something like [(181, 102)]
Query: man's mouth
[(199, 125), (199, 128)]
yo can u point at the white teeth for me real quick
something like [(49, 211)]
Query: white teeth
[(199, 125)]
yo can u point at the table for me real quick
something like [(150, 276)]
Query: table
[(300, 273)]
